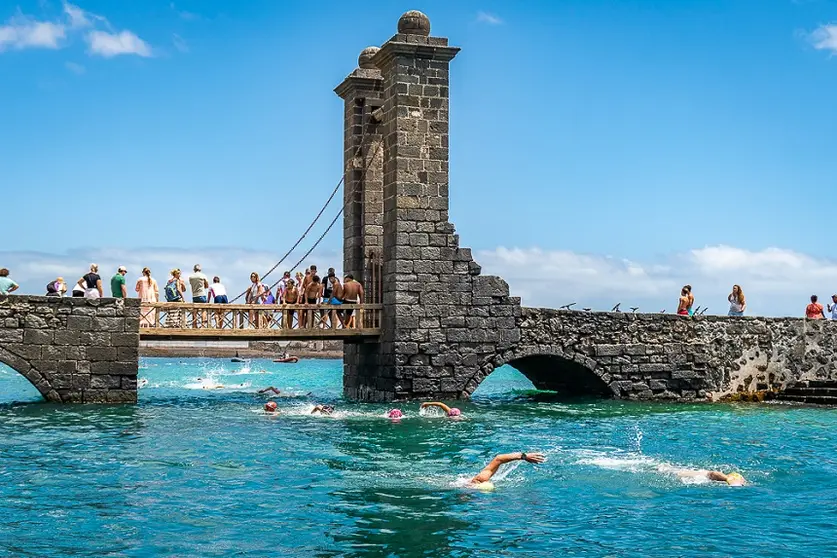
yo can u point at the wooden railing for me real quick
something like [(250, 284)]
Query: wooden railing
[(259, 321)]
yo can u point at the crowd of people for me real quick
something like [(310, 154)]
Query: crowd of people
[(307, 289)]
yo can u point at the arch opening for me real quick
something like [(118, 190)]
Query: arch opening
[(565, 377), (16, 388)]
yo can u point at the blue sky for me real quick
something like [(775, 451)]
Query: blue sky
[(605, 137)]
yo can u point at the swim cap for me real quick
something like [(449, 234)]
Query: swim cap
[(735, 479), (486, 486), (270, 406), (395, 413), (454, 412)]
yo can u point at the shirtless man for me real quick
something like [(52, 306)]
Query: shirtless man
[(313, 292), (482, 481), (688, 289), (451, 412), (335, 300), (352, 294), (683, 303), (732, 479), (291, 297)]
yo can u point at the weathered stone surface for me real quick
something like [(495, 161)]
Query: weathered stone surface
[(54, 344)]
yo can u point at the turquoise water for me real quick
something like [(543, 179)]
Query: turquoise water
[(203, 472)]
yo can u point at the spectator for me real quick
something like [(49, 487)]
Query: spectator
[(352, 294), (149, 293), (218, 295), (814, 311), (117, 283), (833, 307), (255, 295), (313, 292), (199, 283), (737, 302), (92, 283), (335, 290), (7, 286), (291, 297), (690, 308), (52, 289), (61, 286), (78, 291), (175, 292), (283, 286), (683, 302)]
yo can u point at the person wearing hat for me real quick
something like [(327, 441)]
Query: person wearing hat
[(117, 283)]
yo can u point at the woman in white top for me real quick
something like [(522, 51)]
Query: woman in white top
[(218, 295), (737, 302)]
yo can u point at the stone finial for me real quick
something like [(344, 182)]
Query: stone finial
[(364, 61), (414, 23)]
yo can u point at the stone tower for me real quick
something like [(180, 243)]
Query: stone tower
[(442, 321)]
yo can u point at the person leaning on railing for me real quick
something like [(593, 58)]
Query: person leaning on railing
[(218, 295), (175, 292), (291, 297)]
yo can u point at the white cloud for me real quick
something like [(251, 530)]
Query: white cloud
[(109, 45), (77, 69), (32, 270), (776, 281), (22, 32), (78, 17), (825, 38), (488, 18)]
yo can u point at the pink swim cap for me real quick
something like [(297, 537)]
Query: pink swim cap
[(395, 413), (454, 412), (270, 406)]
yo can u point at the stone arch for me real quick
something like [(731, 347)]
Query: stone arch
[(22, 366), (550, 368)]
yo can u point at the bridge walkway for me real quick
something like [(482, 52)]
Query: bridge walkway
[(244, 322)]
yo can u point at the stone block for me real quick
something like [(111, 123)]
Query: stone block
[(101, 353), (107, 382), (79, 323), (66, 337), (37, 337), (95, 396), (125, 339), (112, 325)]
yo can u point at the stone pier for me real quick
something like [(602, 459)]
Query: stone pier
[(73, 350)]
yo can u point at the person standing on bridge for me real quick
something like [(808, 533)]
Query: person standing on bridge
[(148, 293), (690, 309), (814, 311), (118, 289), (352, 294), (737, 302), (7, 285), (92, 283), (255, 295), (199, 284), (291, 296), (683, 303), (218, 295), (175, 293)]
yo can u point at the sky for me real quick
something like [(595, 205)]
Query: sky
[(602, 151)]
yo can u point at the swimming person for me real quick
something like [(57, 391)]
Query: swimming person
[(482, 481), (732, 479), (323, 409), (451, 412), (395, 414), (271, 407), (270, 389)]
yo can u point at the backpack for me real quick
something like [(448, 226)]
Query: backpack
[(172, 295)]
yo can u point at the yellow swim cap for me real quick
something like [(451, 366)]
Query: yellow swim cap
[(735, 479), (486, 486)]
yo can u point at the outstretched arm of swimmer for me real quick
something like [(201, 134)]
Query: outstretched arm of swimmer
[(490, 469), (442, 406), (270, 388), (716, 476), (317, 409)]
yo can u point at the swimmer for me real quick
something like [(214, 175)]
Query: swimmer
[(395, 414), (270, 389), (732, 479), (483, 480), (323, 409), (451, 412), (271, 408)]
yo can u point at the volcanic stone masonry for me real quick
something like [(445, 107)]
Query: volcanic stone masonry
[(73, 350)]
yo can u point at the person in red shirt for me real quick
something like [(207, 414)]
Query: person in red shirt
[(814, 310)]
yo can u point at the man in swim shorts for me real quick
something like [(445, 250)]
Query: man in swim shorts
[(451, 412), (352, 294), (482, 481)]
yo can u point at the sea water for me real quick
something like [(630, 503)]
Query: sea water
[(198, 469)]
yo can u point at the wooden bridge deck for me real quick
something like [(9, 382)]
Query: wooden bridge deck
[(242, 322)]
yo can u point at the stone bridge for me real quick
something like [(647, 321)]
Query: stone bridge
[(446, 326), (73, 350)]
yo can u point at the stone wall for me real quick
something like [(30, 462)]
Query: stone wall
[(656, 356), (73, 350)]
